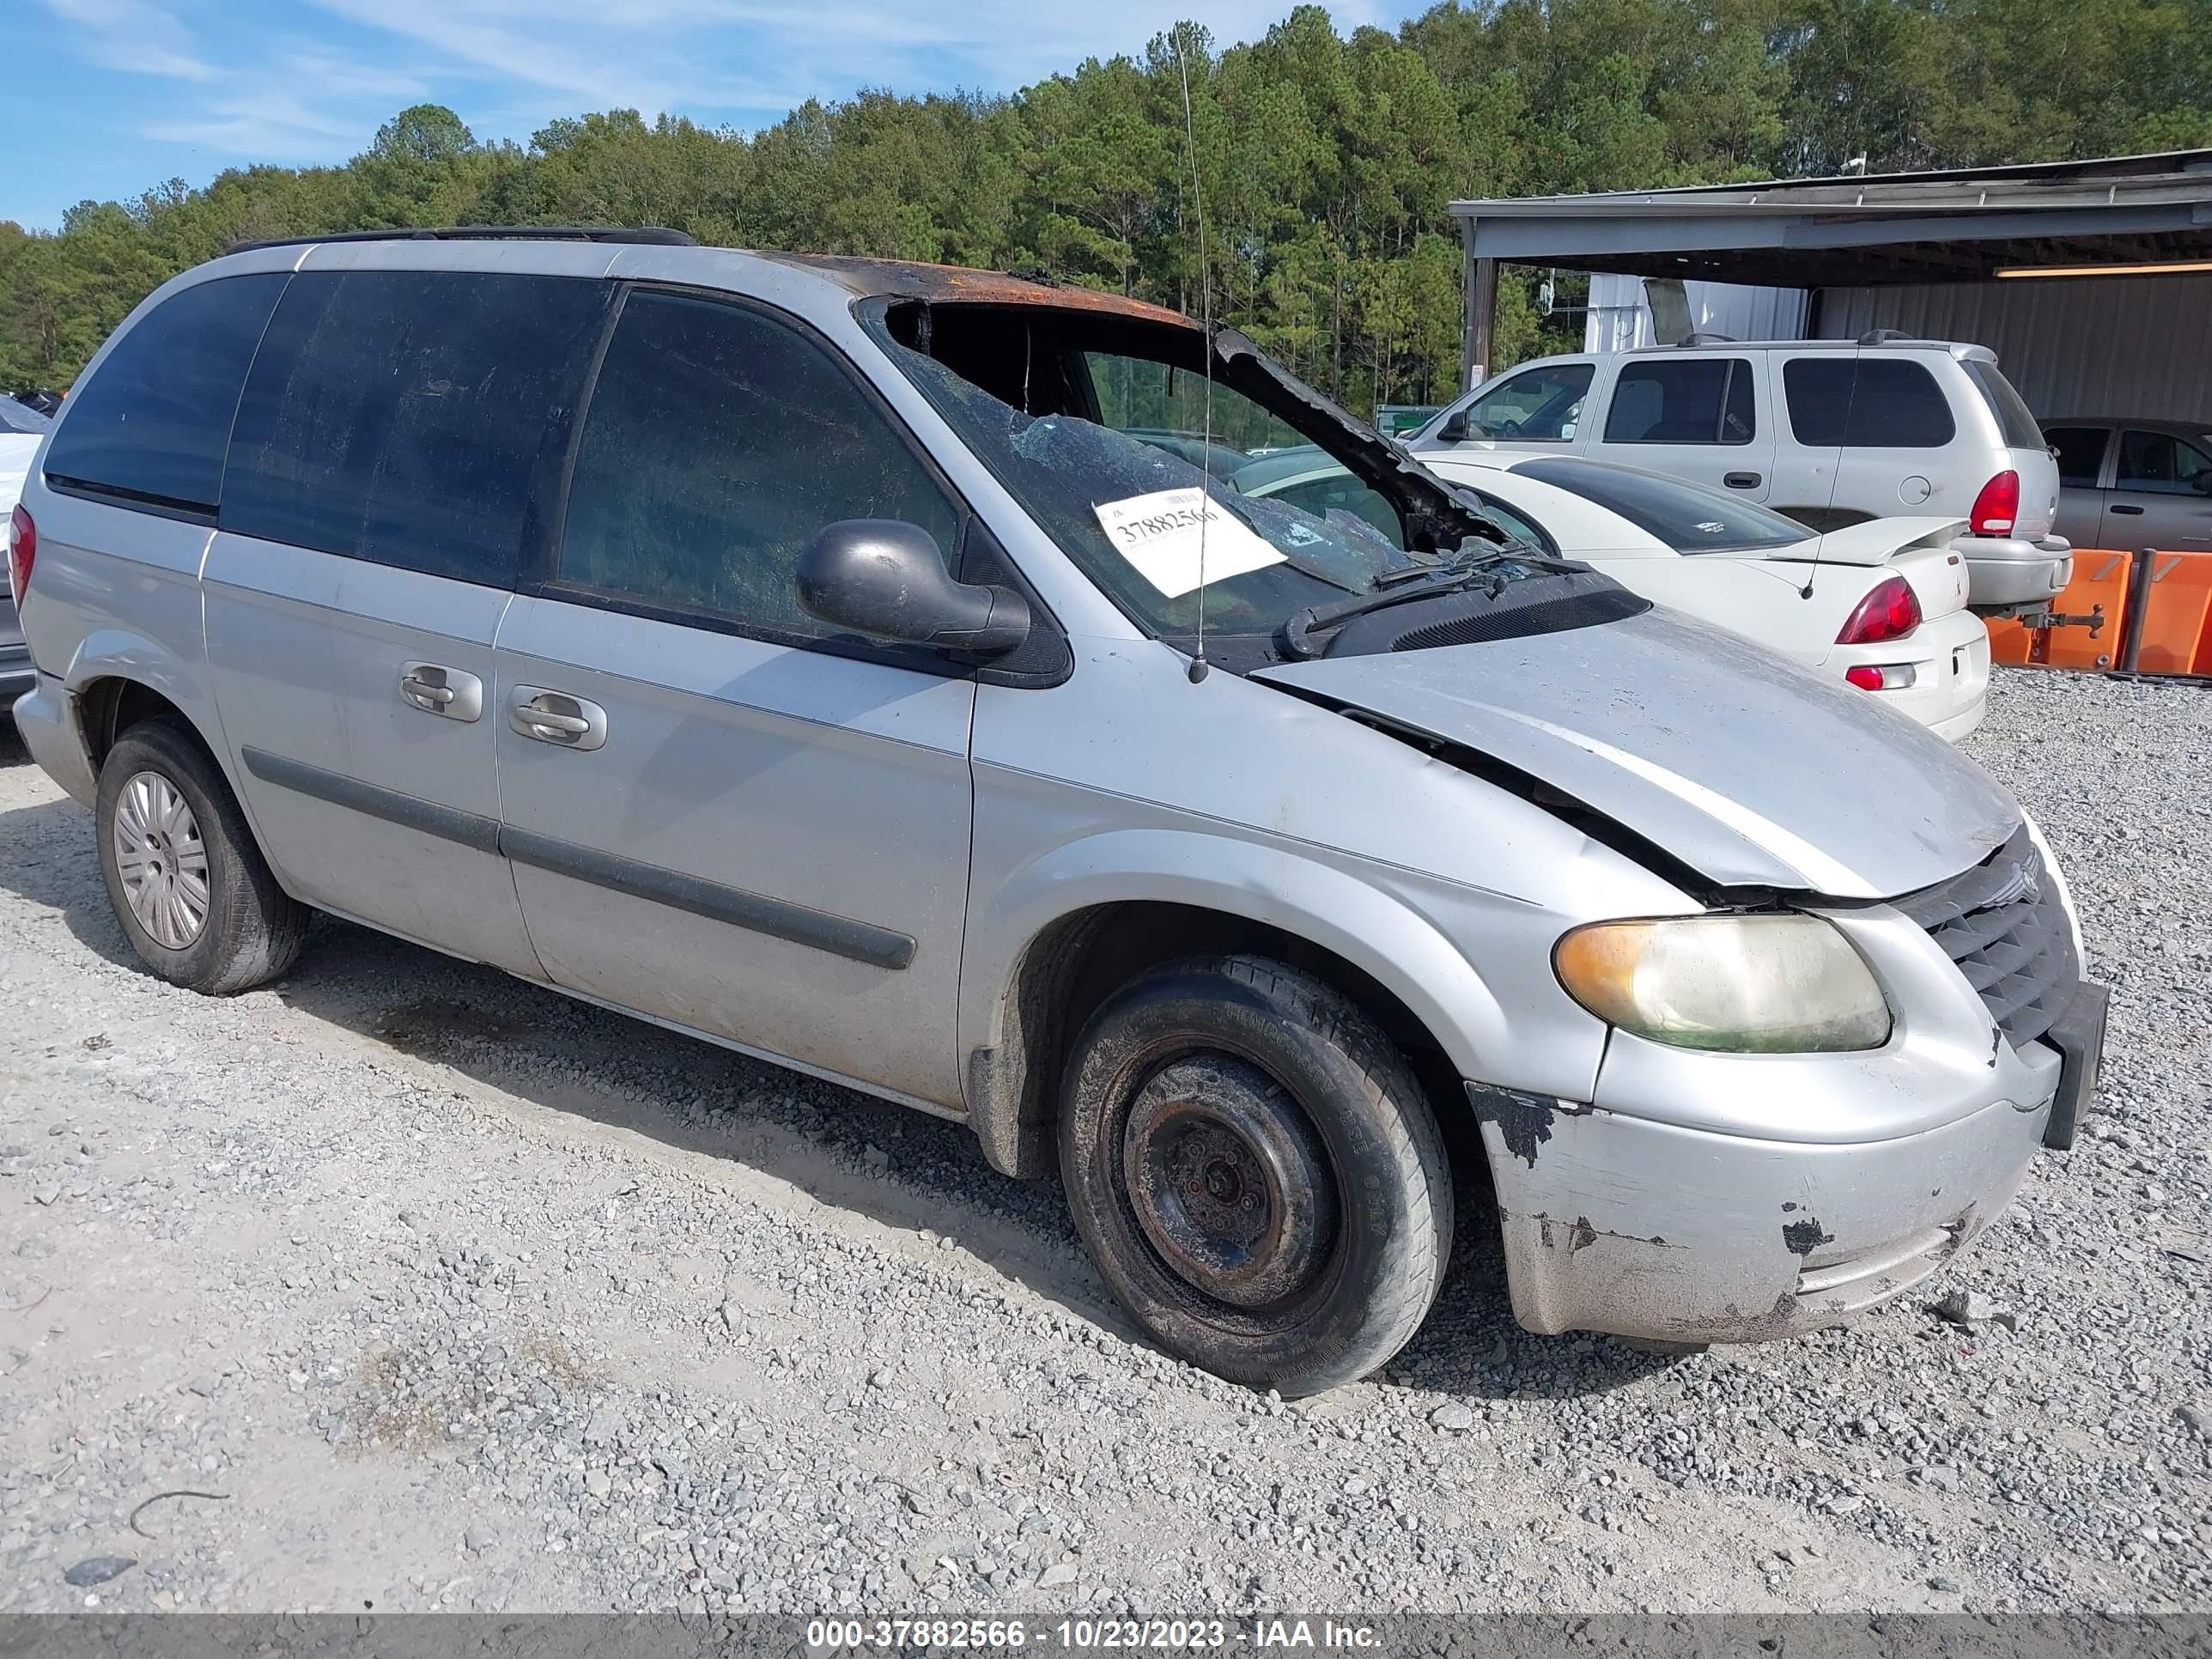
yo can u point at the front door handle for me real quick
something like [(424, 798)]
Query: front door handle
[(436, 689), (555, 717), (1741, 480), (2128, 508)]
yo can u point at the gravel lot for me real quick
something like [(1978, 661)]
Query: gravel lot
[(464, 1295)]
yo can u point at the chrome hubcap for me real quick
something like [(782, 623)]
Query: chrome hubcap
[(161, 860)]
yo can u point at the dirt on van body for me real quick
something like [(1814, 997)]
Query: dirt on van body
[(403, 1286)]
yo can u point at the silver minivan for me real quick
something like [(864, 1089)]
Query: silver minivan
[(800, 652)]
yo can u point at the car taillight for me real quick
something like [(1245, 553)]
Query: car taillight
[(22, 548), (1997, 508), (1890, 612), (1887, 677)]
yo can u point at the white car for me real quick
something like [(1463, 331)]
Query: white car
[(22, 428), (1881, 605)]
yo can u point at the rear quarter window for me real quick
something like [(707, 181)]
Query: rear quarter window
[(1866, 403), (413, 418), (150, 425), (2015, 419)]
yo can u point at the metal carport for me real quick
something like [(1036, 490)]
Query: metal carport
[(2092, 280), (1973, 225)]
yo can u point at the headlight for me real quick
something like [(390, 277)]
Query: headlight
[(1757, 984)]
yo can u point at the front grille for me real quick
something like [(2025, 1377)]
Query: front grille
[(2001, 922)]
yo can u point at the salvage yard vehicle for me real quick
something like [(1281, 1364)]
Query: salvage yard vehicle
[(2134, 483), (1828, 432), (1880, 605), (784, 649), (22, 428)]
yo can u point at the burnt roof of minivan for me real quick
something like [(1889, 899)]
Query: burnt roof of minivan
[(907, 279), (894, 279), (651, 235)]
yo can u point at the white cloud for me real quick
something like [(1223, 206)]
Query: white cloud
[(313, 90), (323, 74), (764, 56), (135, 36), (264, 124)]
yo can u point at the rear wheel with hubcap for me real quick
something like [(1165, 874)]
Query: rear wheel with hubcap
[(1256, 1172), (196, 898), (159, 859)]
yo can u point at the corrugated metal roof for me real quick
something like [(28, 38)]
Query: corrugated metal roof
[(2159, 175), (1959, 226)]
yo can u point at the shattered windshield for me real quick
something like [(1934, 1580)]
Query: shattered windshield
[(1130, 505)]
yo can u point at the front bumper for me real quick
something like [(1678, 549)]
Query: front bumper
[(2009, 572), (1653, 1231)]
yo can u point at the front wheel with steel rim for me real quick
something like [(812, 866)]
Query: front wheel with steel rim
[(1256, 1172), (193, 894)]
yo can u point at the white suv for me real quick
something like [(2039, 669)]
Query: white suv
[(1831, 433)]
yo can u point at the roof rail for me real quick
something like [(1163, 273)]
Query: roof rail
[(1884, 336), (1712, 339), (651, 235)]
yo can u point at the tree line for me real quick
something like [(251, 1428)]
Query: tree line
[(1324, 163)]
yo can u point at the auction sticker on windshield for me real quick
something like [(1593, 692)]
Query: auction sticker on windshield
[(1160, 535)]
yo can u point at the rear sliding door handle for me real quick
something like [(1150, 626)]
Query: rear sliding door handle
[(436, 689), (556, 718), (1741, 480)]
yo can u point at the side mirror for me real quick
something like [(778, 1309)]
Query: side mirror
[(886, 577), (1454, 430), (2203, 481)]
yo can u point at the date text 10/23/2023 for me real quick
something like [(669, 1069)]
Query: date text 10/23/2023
[(1080, 1635)]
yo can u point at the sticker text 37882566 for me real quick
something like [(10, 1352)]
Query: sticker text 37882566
[(1159, 534)]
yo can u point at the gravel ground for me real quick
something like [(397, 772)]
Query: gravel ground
[(456, 1294)]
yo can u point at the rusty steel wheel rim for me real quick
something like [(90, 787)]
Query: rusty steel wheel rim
[(1228, 1183)]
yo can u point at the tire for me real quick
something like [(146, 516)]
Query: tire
[(248, 930), (1256, 1173)]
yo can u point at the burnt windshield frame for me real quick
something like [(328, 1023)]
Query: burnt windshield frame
[(964, 344), (1437, 519)]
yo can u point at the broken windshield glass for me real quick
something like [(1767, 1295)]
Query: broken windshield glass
[(1066, 469)]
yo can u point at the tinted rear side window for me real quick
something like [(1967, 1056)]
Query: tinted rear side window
[(413, 418), (1702, 400), (151, 423), (2015, 419), (1867, 403)]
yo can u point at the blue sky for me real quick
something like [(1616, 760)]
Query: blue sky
[(108, 97)]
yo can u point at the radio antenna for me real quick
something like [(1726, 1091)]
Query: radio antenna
[(1836, 478), (1198, 664)]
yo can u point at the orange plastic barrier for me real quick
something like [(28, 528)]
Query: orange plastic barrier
[(2177, 625), (2100, 577)]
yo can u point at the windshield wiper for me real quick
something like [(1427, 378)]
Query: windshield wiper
[(1497, 570)]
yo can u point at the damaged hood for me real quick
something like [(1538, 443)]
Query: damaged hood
[(1742, 766)]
